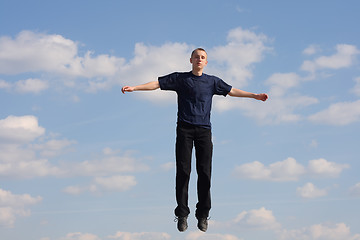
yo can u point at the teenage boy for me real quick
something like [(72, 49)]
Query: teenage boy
[(194, 90)]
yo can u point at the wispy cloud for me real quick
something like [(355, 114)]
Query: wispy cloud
[(338, 231), (197, 235), (26, 150), (80, 236), (52, 53), (311, 50), (289, 170), (19, 129), (61, 59), (338, 114), (343, 58), (140, 236), (117, 183), (309, 190), (14, 205), (355, 190), (31, 85), (356, 89), (263, 220), (253, 220)]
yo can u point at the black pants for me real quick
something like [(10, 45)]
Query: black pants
[(188, 136)]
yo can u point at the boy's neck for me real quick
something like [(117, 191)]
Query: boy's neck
[(197, 72)]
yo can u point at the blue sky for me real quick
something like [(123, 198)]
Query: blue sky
[(81, 161)]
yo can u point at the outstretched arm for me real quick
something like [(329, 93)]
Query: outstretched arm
[(240, 93), (143, 87)]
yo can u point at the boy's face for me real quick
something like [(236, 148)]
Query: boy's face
[(199, 60)]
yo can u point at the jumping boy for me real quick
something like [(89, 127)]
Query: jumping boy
[(194, 90)]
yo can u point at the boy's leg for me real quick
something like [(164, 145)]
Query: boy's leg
[(184, 145), (204, 150)]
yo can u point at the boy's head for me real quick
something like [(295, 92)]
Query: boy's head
[(198, 59), (198, 49)]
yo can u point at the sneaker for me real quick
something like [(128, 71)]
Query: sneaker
[(181, 223), (202, 224)]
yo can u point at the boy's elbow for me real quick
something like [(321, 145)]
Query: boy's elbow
[(156, 85), (231, 93)]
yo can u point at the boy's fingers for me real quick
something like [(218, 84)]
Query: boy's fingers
[(124, 89)]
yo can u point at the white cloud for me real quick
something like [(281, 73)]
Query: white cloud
[(116, 183), (75, 190), (39, 52), (59, 56), (355, 90), (355, 190), (4, 84), (313, 143), (262, 219), (283, 101), (274, 111), (281, 105), (106, 165), (153, 61), (102, 170), (53, 147), (27, 167), (168, 166), (140, 236), (17, 130), (288, 170), (31, 85), (102, 65), (234, 61), (323, 168), (32, 52), (255, 170), (23, 154), (343, 58), (21, 162), (338, 114), (312, 49), (339, 231), (197, 235), (309, 190), (12, 206), (280, 83), (61, 59), (80, 236), (54, 54), (18, 158)]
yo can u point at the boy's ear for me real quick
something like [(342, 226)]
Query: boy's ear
[(190, 60)]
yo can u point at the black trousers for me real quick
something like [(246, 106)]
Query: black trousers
[(188, 136)]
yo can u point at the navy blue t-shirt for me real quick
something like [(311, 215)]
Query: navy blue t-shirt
[(194, 95)]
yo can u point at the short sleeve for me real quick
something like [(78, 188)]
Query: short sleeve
[(221, 87), (168, 82)]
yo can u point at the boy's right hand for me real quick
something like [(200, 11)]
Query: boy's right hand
[(127, 89)]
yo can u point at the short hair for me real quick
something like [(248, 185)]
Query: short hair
[(198, 49)]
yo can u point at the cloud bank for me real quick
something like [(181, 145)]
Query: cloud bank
[(62, 61)]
